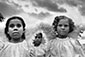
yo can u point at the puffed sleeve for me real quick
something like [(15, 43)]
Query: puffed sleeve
[(1, 45), (78, 49)]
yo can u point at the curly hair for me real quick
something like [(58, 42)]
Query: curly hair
[(7, 24), (58, 18)]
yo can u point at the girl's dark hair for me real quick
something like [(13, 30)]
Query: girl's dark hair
[(58, 18), (39, 36), (7, 24)]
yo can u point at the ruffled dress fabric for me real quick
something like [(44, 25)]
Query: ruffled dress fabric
[(40, 50), (14, 49), (65, 48)]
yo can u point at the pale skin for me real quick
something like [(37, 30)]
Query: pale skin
[(63, 28)]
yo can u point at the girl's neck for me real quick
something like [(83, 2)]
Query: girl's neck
[(62, 36), (16, 40)]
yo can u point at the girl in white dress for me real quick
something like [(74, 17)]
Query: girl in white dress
[(16, 46), (63, 45)]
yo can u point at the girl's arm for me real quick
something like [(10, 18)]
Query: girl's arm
[(78, 48), (48, 52)]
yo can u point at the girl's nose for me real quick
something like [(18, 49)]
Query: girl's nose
[(15, 29), (63, 27)]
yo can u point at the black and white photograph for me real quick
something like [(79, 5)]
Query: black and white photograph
[(42, 28)]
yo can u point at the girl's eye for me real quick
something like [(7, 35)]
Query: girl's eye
[(60, 25), (11, 25), (65, 25), (18, 25)]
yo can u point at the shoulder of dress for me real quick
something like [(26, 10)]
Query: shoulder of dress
[(75, 42), (2, 44)]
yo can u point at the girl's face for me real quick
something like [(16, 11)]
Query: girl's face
[(63, 27), (15, 29)]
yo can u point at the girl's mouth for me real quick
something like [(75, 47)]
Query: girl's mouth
[(15, 33)]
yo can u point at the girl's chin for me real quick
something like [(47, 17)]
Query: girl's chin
[(15, 37)]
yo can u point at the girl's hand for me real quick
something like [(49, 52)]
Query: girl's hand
[(32, 53)]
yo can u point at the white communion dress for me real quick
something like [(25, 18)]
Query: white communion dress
[(67, 47), (15, 49), (40, 50)]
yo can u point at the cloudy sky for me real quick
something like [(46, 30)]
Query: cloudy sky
[(36, 11)]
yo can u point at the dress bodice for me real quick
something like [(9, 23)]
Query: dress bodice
[(15, 50), (65, 48)]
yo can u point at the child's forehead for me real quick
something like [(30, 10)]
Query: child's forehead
[(64, 21), (15, 21)]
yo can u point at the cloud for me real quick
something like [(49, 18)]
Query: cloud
[(41, 9), (27, 7), (80, 4), (69, 2), (19, 3), (8, 10), (82, 10), (41, 15), (73, 2), (49, 5)]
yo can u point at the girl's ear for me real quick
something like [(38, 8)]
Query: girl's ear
[(7, 32), (24, 31)]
